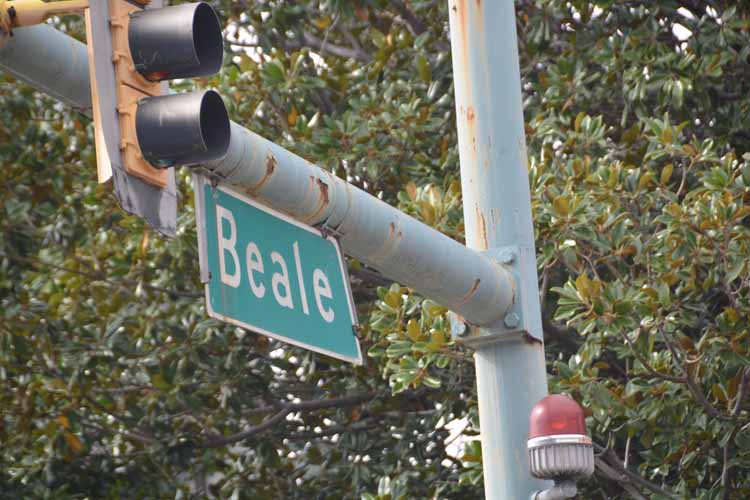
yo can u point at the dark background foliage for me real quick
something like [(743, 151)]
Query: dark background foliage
[(113, 382)]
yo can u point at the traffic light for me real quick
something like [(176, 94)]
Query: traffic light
[(142, 131)]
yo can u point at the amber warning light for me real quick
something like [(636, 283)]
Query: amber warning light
[(559, 447)]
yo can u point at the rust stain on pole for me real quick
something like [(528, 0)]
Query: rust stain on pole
[(460, 8), (531, 340), (481, 229), (270, 164), (323, 191), (389, 245), (471, 292), (322, 200), (270, 168), (471, 127)]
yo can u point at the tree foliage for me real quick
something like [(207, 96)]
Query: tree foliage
[(115, 384)]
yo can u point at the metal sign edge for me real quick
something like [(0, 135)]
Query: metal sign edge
[(199, 181)]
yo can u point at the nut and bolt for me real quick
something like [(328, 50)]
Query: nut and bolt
[(512, 320), (457, 324), (507, 257)]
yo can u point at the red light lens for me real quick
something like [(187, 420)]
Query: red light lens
[(157, 76), (555, 415)]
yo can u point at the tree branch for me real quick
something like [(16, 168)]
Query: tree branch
[(318, 45), (335, 429), (102, 277), (417, 27), (726, 469), (647, 365), (133, 436), (285, 409), (741, 392), (692, 385), (234, 438), (370, 276), (611, 467)]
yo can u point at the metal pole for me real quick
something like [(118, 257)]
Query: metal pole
[(497, 215), (510, 366), (50, 61), (399, 246)]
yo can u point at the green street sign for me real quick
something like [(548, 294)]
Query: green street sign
[(273, 275)]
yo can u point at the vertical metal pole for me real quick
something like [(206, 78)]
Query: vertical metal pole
[(510, 366)]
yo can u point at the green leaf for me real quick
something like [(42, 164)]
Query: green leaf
[(423, 67)]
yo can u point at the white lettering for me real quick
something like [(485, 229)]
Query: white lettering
[(300, 279), (255, 264), (281, 279), (322, 289), (227, 245)]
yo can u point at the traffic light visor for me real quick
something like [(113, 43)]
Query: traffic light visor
[(181, 41), (182, 129)]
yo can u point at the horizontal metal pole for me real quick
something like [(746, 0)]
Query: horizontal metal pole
[(50, 61), (399, 246)]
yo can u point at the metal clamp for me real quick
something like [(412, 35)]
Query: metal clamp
[(514, 323), (560, 491)]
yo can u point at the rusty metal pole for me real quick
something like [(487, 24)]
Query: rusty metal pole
[(509, 356), (368, 229)]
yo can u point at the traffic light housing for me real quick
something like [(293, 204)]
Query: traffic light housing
[(142, 131)]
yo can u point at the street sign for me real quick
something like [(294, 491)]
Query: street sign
[(274, 275)]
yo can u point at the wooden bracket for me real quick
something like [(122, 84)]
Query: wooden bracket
[(131, 88)]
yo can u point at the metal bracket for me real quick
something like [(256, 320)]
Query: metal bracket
[(200, 202), (513, 325), (328, 231), (20, 13)]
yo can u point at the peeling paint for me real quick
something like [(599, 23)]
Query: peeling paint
[(323, 200), (470, 294), (271, 164), (531, 340), (481, 229), (323, 191), (461, 10), (391, 243)]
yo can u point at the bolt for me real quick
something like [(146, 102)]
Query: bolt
[(458, 327), (511, 320), (507, 257)]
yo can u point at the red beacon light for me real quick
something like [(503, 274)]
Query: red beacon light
[(559, 447)]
